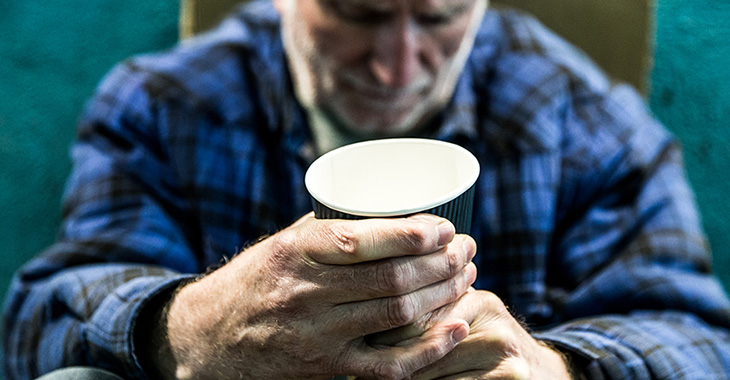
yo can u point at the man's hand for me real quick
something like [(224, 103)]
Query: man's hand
[(498, 346), (298, 304)]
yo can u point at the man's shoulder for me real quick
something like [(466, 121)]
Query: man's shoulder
[(511, 39), (516, 57), (524, 76), (220, 68), (247, 40)]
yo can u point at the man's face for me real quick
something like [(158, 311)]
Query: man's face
[(377, 67)]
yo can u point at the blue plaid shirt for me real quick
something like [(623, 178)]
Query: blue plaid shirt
[(585, 223)]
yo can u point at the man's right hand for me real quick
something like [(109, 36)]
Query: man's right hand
[(298, 304)]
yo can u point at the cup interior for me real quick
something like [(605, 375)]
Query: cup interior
[(392, 176)]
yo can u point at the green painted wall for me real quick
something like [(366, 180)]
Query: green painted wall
[(691, 95), (53, 53)]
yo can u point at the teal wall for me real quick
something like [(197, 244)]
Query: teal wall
[(691, 95), (53, 52)]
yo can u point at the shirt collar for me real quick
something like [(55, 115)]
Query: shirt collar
[(456, 122)]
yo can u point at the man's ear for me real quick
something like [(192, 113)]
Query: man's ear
[(278, 4)]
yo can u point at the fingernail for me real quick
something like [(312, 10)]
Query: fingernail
[(458, 334), (446, 233)]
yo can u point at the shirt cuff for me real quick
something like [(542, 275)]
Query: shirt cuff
[(159, 297)]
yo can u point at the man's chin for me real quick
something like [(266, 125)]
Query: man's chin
[(385, 123), (379, 128)]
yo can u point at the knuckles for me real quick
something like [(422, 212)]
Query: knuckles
[(457, 287), (343, 237), (392, 277), (283, 245), (455, 261), (413, 240), (389, 370), (400, 310)]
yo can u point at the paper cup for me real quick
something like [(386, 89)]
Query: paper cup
[(395, 178)]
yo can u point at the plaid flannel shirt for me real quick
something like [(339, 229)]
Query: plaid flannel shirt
[(584, 220)]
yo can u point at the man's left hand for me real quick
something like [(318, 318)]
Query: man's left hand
[(498, 346)]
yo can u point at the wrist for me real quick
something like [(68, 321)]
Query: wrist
[(574, 363), (563, 362), (150, 336)]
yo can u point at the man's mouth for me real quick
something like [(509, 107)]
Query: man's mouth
[(384, 96)]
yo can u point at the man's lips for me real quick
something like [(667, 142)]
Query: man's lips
[(385, 97)]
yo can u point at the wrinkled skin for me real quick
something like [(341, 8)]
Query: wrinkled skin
[(377, 68), (299, 304), (498, 346), (306, 302)]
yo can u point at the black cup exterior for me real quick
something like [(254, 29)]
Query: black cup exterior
[(458, 211)]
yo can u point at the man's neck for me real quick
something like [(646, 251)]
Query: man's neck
[(328, 136)]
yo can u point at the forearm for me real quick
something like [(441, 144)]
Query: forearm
[(78, 316), (274, 311), (645, 345), (633, 241), (169, 338)]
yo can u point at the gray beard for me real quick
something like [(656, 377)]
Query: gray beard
[(329, 129)]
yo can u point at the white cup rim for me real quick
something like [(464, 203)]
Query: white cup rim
[(463, 186)]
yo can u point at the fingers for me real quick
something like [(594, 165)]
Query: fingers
[(462, 309), (368, 317), (475, 307), (470, 361), (347, 242), (397, 335), (495, 348), (468, 356), (401, 362), (397, 276)]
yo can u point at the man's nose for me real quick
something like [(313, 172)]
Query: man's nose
[(396, 58)]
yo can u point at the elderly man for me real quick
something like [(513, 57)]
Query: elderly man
[(184, 253)]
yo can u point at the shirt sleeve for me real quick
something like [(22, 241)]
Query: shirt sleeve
[(126, 237), (637, 290)]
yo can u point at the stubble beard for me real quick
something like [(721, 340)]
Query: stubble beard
[(314, 82)]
